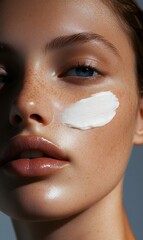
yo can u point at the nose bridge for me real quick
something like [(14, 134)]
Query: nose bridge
[(30, 87), (29, 104)]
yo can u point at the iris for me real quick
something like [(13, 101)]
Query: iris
[(82, 72)]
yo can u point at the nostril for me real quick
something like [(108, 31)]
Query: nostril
[(36, 117)]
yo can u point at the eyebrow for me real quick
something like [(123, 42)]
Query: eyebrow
[(80, 38), (68, 40)]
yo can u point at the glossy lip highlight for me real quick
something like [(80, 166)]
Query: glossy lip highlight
[(53, 159)]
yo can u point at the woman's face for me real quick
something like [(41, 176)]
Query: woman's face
[(45, 80)]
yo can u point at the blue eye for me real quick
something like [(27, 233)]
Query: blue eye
[(82, 71)]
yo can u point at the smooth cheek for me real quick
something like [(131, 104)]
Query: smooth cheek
[(96, 167), (98, 158), (100, 155)]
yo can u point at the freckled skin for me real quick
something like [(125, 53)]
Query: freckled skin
[(90, 187)]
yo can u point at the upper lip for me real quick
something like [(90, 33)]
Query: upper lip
[(22, 143)]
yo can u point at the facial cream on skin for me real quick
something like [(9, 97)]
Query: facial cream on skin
[(94, 111)]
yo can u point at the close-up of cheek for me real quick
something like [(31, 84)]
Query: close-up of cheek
[(97, 142), (100, 154), (97, 164)]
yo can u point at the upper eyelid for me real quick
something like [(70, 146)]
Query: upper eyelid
[(75, 62), (82, 62)]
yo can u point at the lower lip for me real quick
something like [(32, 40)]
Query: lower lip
[(36, 167)]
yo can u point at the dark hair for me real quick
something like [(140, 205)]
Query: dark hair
[(131, 17)]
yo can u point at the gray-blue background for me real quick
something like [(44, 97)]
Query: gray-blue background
[(133, 195)]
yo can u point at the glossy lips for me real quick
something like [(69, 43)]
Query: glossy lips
[(32, 156)]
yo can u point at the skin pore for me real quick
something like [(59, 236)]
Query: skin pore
[(40, 43)]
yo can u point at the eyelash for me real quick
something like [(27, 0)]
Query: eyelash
[(5, 78), (79, 65)]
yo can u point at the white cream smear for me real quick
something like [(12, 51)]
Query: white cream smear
[(94, 111)]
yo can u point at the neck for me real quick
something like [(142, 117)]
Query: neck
[(104, 220)]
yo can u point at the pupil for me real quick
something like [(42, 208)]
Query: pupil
[(84, 71)]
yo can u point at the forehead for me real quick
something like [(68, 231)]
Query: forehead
[(34, 23), (52, 15)]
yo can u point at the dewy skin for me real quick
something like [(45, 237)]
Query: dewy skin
[(94, 111)]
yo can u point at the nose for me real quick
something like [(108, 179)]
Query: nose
[(25, 113), (31, 106)]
